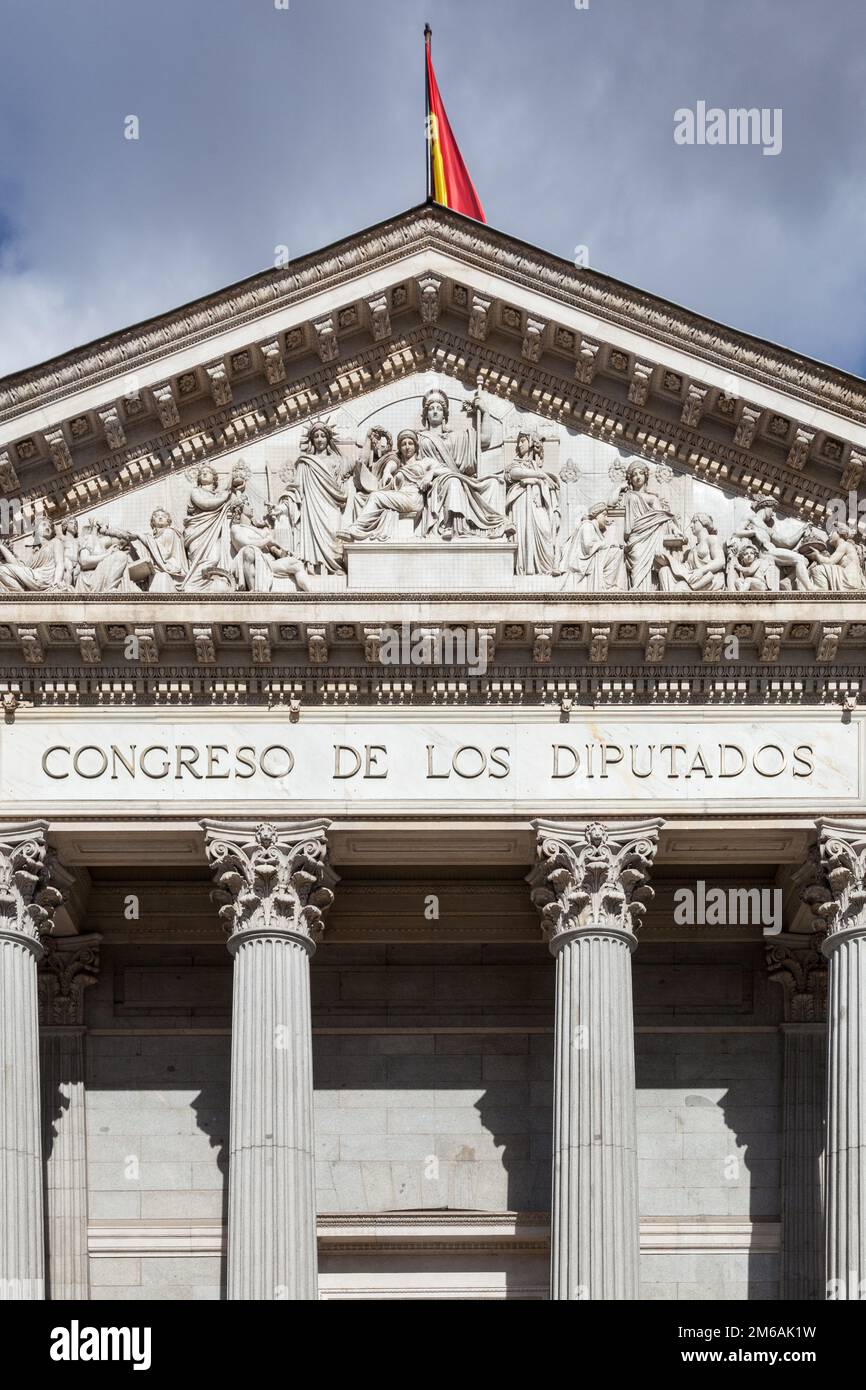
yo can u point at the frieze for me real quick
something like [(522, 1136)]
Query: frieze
[(475, 470)]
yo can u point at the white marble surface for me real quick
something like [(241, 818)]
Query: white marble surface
[(412, 762)]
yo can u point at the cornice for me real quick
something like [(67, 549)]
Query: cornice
[(429, 228)]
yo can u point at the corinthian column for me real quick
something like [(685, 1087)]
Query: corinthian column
[(27, 902), (590, 884), (833, 883), (70, 964), (274, 883), (800, 968)]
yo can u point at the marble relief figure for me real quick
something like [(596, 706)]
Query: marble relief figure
[(649, 524), (322, 474), (69, 542), (842, 568), (702, 563), (747, 570), (259, 558), (590, 561), (104, 555), (427, 484), (206, 531), (459, 502), (403, 478), (42, 568), (375, 458), (532, 506), (165, 549)]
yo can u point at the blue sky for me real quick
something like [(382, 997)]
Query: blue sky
[(262, 127)]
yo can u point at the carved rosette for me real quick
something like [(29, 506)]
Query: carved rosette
[(28, 899), (272, 879), (832, 882), (592, 877), (69, 966), (801, 970)]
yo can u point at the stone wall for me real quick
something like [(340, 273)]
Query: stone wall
[(433, 1070)]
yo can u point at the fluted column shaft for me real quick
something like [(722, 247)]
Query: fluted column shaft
[(27, 904), (65, 1148), (833, 884), (22, 1258), (272, 1207), (595, 1225), (274, 884), (846, 1115), (590, 884)]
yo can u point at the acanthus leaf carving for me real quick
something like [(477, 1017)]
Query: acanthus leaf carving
[(832, 881), (29, 877), (592, 876), (70, 965), (273, 878), (801, 970)]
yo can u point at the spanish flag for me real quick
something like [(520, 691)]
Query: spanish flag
[(449, 178)]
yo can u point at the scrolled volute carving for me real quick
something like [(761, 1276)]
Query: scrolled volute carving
[(271, 877), (832, 882), (801, 970), (593, 876), (69, 966), (28, 899)]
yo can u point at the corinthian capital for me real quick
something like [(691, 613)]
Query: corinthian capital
[(271, 878), (69, 965), (28, 898), (801, 970), (832, 882), (591, 876)]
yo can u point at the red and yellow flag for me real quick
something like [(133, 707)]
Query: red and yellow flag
[(449, 178)]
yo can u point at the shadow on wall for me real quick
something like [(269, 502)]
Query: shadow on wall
[(157, 1149), (709, 1135)]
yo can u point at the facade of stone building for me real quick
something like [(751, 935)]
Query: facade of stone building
[(433, 843)]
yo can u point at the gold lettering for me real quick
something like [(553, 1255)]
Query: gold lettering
[(607, 756), (89, 748), (277, 748), (762, 771), (503, 762), (58, 748), (804, 753), (246, 757), (339, 750), (372, 751), (724, 749), (212, 770), (565, 748), (117, 757), (431, 749), (633, 748), (154, 748), (186, 756)]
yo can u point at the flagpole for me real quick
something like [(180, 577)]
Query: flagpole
[(428, 34)]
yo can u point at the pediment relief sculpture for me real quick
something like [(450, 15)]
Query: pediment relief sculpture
[(463, 471)]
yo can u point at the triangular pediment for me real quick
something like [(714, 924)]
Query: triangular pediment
[(355, 334)]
